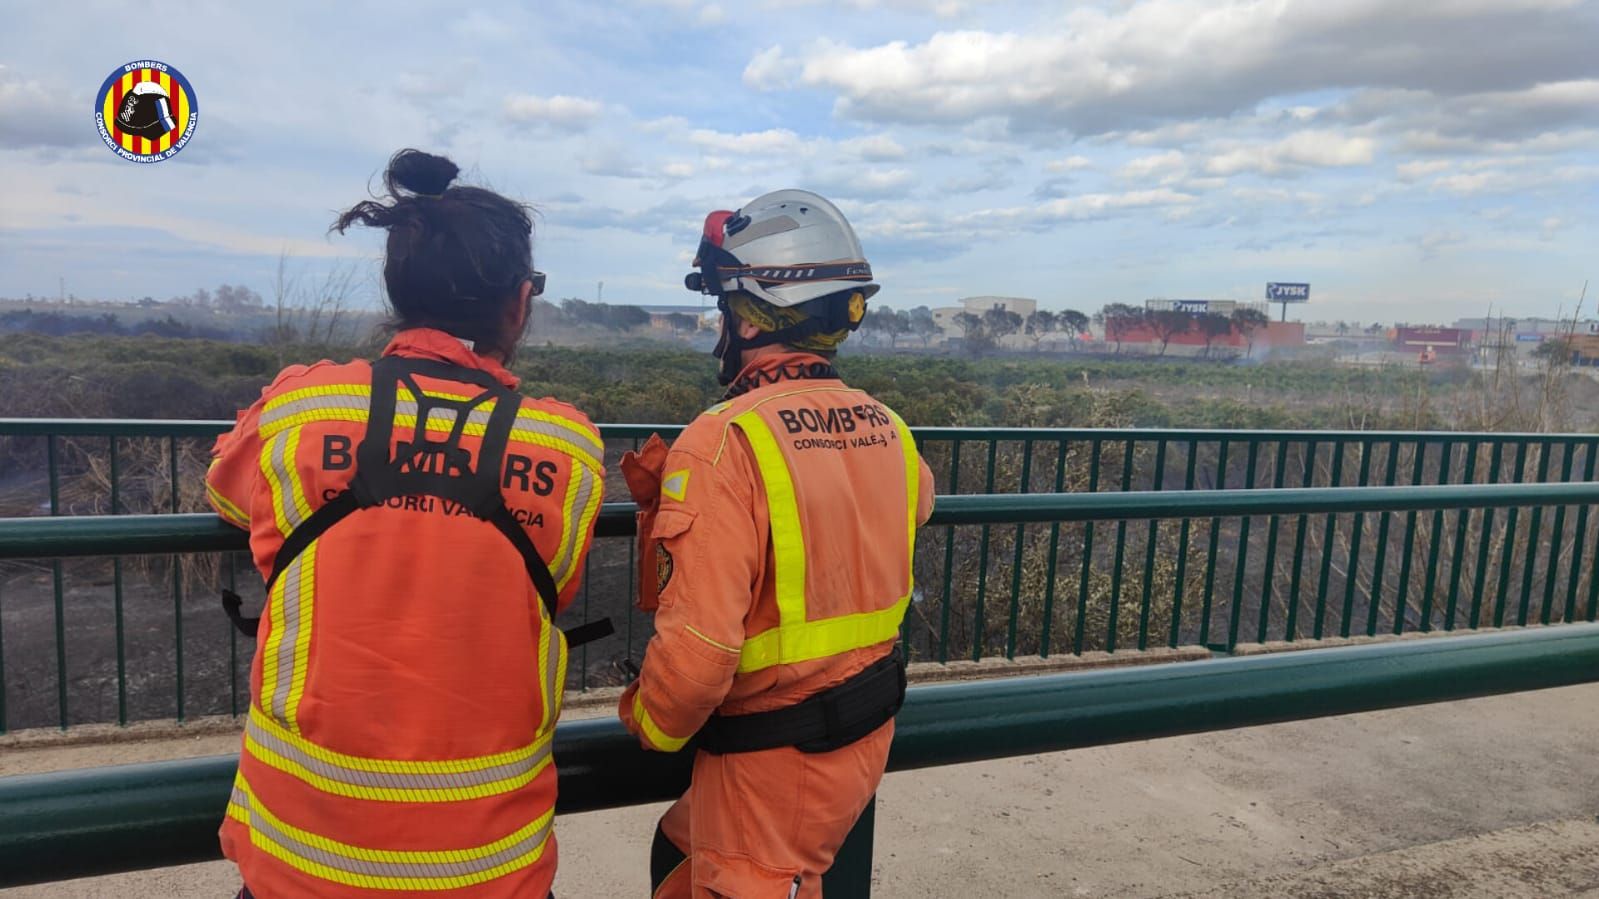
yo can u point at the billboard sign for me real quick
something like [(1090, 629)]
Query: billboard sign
[(1529, 338), (1193, 307), (1282, 292)]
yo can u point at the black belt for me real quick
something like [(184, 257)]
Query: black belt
[(832, 719)]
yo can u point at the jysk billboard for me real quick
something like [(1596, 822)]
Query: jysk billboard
[(1279, 292)]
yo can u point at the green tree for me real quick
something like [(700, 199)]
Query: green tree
[(1001, 323), (975, 332), (1117, 319), (924, 326), (1073, 323), (1249, 321), (1168, 323), (1039, 325), (1214, 325)]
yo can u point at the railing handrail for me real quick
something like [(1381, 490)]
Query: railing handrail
[(78, 823), (139, 427), (106, 535)]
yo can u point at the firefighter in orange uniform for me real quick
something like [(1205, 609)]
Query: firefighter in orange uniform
[(419, 523), (780, 528)]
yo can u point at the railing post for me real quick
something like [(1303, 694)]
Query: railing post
[(851, 874)]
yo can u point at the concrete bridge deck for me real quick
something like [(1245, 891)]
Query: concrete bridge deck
[(1487, 798)]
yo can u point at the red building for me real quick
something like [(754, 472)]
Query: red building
[(1272, 336)]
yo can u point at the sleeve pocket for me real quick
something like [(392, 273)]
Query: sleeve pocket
[(656, 565)]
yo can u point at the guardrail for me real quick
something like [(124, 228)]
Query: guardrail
[(110, 640), (79, 823)]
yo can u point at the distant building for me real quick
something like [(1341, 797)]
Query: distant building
[(1270, 336), (947, 317), (661, 316), (1430, 337), (1521, 335), (1200, 307), (1019, 305)]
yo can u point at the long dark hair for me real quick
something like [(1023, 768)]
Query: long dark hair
[(456, 256)]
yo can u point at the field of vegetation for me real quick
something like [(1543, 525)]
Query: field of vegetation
[(129, 627), (100, 376)]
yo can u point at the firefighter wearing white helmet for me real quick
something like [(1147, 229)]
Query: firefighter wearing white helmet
[(789, 264), (777, 536)]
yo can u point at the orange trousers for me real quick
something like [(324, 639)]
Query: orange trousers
[(753, 822)]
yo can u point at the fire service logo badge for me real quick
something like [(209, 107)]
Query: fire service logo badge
[(146, 111)]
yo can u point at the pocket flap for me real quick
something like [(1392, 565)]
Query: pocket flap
[(673, 522)]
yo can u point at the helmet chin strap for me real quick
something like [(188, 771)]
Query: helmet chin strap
[(731, 345), (728, 350)]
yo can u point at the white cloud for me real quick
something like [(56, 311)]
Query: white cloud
[(1435, 241), (1415, 171), (770, 141), (1551, 226), (1303, 149), (944, 9), (1165, 168), (861, 183), (874, 148), (32, 115), (1138, 64), (559, 112), (1078, 208), (1069, 164), (770, 70)]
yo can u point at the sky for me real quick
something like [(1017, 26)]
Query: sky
[(1421, 160)]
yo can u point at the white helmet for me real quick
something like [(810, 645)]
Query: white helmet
[(787, 247)]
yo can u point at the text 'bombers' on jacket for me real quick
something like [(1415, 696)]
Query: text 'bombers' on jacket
[(407, 676)]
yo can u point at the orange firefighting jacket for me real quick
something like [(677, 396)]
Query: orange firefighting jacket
[(407, 678), (782, 543)]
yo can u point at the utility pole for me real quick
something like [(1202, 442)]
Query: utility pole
[(63, 282), (599, 292)]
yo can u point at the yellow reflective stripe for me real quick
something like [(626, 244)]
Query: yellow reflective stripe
[(343, 403), (392, 780), (399, 766), (289, 396), (788, 537), (552, 670), (225, 507), (797, 639), (289, 505), (584, 436), (652, 732), (564, 563), (287, 652), (578, 440), (819, 639), (584, 527), (269, 471), (272, 631), (387, 869), (913, 493), (301, 660), (301, 507)]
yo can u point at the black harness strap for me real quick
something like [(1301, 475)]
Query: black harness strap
[(832, 719), (428, 467)]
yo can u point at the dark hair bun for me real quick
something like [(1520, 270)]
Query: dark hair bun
[(419, 173)]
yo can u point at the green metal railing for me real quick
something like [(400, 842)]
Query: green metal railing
[(119, 639), (79, 823)]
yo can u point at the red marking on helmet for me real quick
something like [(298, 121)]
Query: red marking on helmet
[(716, 226)]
